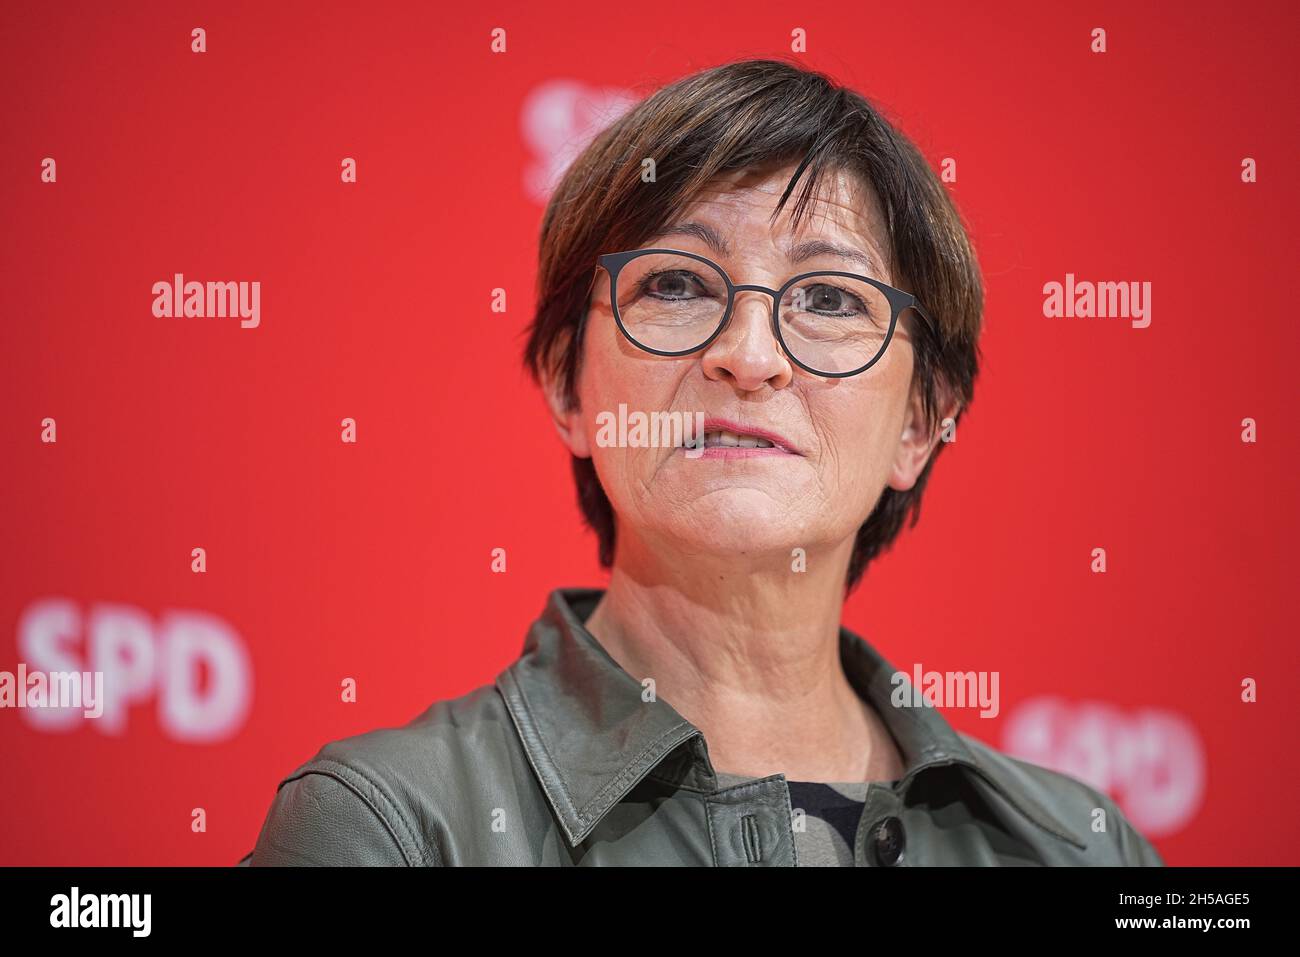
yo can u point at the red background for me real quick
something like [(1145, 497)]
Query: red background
[(373, 560)]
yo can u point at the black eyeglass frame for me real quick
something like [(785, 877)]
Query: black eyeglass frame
[(899, 300)]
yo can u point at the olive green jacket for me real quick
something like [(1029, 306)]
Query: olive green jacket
[(562, 762)]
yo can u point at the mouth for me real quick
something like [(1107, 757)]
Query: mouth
[(724, 438)]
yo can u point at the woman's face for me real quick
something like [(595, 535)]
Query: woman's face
[(849, 437)]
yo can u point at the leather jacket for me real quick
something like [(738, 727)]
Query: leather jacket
[(560, 761)]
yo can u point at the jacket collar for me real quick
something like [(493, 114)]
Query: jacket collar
[(591, 738)]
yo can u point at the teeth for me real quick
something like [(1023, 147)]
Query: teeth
[(730, 440)]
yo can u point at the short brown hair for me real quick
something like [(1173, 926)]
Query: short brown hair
[(741, 116)]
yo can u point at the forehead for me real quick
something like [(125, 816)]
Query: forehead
[(843, 203)]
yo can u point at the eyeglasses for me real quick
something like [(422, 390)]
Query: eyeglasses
[(672, 303)]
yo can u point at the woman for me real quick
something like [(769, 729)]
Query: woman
[(823, 345)]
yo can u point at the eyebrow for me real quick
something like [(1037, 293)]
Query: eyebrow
[(796, 253)]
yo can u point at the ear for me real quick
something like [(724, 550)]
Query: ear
[(568, 421), (916, 443)]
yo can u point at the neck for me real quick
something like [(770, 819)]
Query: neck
[(747, 651)]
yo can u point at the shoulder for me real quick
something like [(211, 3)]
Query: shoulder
[(1085, 816), (385, 796)]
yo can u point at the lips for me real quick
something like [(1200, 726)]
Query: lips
[(726, 434)]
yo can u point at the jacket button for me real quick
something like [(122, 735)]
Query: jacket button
[(887, 841)]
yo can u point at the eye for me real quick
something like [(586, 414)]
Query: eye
[(672, 285), (827, 299)]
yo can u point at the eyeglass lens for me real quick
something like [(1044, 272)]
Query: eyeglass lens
[(831, 323)]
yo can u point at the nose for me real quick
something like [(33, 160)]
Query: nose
[(746, 353)]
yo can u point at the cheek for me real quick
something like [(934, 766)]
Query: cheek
[(612, 377), (863, 430), (615, 372)]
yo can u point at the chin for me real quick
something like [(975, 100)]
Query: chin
[(735, 520)]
